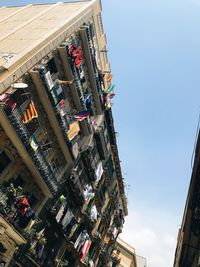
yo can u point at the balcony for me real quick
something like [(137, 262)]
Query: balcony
[(21, 224), (97, 238), (89, 53), (55, 121), (82, 245), (63, 217), (81, 192), (76, 189), (76, 91), (90, 214), (56, 99), (89, 163), (104, 255), (101, 145), (115, 257), (15, 118), (119, 218)]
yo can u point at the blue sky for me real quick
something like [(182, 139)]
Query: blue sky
[(154, 51), (155, 58)]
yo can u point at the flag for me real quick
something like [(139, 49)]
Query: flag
[(109, 89), (6, 100), (30, 113), (108, 77), (111, 95), (82, 115), (33, 143)]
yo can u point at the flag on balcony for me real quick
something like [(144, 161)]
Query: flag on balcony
[(108, 77), (30, 113), (34, 143), (7, 101), (82, 115), (109, 89), (111, 95)]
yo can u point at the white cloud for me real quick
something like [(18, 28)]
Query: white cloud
[(154, 241)]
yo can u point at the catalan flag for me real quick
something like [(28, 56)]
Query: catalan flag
[(30, 113)]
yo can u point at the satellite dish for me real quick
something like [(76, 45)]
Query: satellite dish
[(19, 85)]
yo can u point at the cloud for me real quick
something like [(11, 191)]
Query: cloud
[(156, 242)]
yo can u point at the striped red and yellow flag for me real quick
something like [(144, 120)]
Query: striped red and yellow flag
[(30, 113)]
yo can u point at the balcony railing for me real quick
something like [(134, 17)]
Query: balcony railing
[(37, 156), (119, 219), (78, 86), (92, 54), (115, 257), (63, 123), (17, 212), (76, 189)]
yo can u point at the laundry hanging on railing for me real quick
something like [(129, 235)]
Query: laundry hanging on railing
[(30, 113), (33, 143), (49, 81), (77, 54)]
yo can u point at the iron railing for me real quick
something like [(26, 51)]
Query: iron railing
[(37, 156)]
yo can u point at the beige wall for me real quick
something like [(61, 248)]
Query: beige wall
[(125, 253)]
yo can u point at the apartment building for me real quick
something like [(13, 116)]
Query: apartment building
[(62, 199), (188, 240), (125, 255)]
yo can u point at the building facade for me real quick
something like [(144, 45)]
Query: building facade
[(62, 199), (188, 241), (124, 255)]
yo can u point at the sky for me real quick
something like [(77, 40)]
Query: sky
[(154, 52)]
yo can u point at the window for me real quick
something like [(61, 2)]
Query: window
[(52, 66), (4, 161)]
